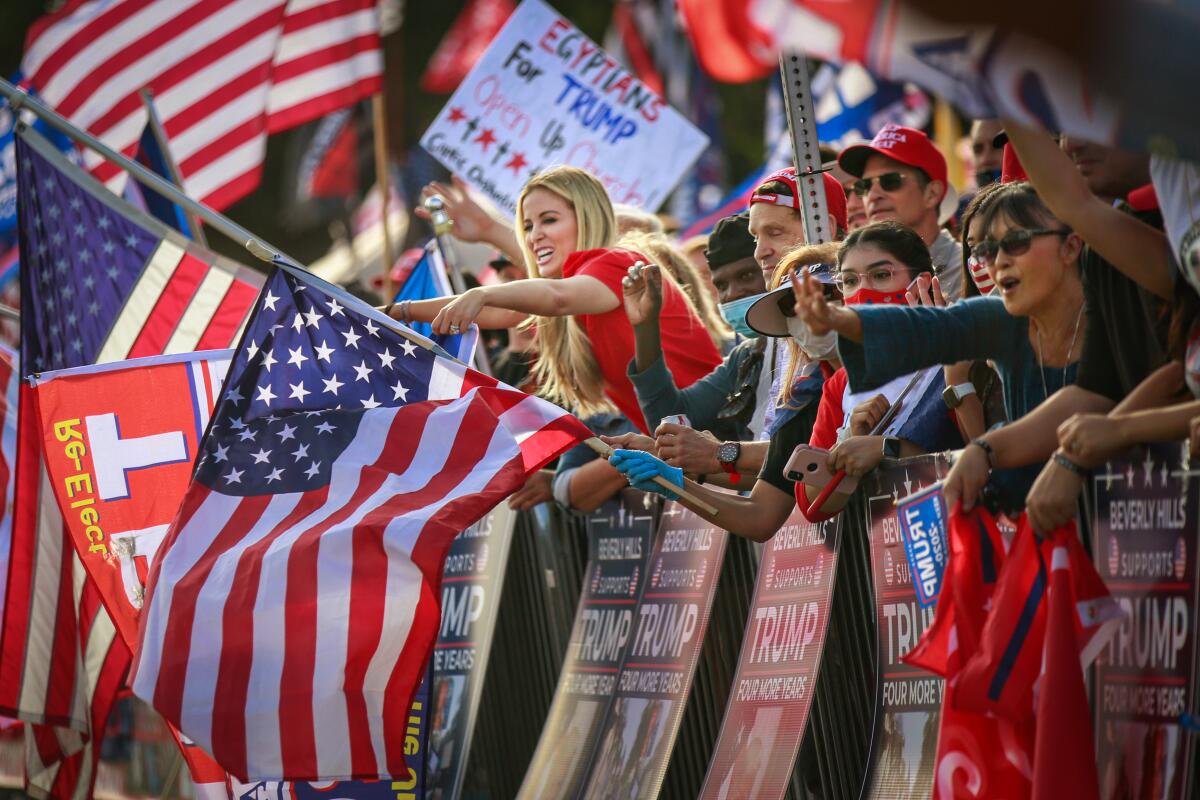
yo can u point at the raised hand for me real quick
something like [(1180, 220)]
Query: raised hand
[(642, 289), (926, 290), (811, 306), (471, 222)]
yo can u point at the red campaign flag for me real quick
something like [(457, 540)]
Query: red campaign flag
[(738, 41), (1064, 762), (465, 42), (978, 756)]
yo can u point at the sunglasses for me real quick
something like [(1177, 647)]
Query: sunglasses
[(1014, 243), (889, 182)]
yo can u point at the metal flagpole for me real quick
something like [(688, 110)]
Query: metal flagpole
[(160, 135), (21, 100), (442, 225), (806, 152)]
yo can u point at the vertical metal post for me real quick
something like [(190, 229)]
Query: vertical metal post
[(383, 181), (806, 154)]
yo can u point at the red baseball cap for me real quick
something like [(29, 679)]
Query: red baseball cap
[(835, 195), (906, 145)]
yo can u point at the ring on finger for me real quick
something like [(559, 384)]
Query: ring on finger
[(455, 329)]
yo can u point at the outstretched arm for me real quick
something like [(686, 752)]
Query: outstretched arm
[(544, 297), (1133, 247)]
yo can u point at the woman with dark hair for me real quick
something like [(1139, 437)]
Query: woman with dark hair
[(1030, 332)]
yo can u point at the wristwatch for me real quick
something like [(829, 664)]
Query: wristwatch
[(727, 455), (891, 447), (954, 395)]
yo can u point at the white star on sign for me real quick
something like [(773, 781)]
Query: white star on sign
[(270, 300), (262, 456), (298, 391), (351, 339), (409, 348), (332, 384), (265, 394), (234, 476), (371, 402), (302, 452), (275, 475), (311, 318), (334, 308), (324, 352), (364, 372), (386, 359), (288, 432), (297, 356), (222, 454), (399, 392), (313, 469)]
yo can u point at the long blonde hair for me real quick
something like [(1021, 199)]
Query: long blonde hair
[(567, 371), (678, 268), (802, 256)]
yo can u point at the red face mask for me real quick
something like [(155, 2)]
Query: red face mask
[(870, 297)]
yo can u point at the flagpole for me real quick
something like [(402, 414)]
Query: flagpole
[(160, 135), (20, 99), (383, 181)]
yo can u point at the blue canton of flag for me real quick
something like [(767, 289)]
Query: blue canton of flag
[(306, 352), (80, 258)]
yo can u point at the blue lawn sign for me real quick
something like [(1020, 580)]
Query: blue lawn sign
[(926, 545), (429, 279)]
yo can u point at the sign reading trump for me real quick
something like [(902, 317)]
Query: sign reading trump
[(544, 94)]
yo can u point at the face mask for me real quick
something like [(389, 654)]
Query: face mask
[(818, 347), (734, 313), (869, 297)]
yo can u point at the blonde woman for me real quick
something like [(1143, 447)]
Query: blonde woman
[(566, 234)]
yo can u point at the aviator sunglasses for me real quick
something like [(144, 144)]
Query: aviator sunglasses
[(1014, 243), (888, 181)]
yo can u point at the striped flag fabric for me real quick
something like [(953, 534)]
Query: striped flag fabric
[(100, 282), (10, 379), (225, 73), (295, 601)]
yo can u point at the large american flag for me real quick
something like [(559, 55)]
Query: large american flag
[(224, 73), (294, 603), (100, 282)]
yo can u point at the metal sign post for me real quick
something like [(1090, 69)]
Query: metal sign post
[(806, 154)]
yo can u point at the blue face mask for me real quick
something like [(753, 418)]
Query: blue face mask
[(735, 314)]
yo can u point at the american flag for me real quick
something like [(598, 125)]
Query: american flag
[(224, 73), (294, 602), (100, 282)]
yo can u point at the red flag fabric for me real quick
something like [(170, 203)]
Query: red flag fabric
[(464, 43), (977, 756), (1064, 763)]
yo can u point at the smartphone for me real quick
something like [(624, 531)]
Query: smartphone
[(808, 466)]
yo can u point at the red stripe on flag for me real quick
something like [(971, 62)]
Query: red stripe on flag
[(173, 301), (327, 12), (340, 51), (111, 17), (125, 57), (320, 106), (237, 640), (228, 319), (60, 691), (237, 188), (218, 148)]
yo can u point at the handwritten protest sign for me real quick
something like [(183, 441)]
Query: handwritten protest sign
[(544, 94)]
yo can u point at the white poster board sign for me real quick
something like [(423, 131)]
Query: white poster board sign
[(544, 94)]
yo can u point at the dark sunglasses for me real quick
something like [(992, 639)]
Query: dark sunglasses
[(1014, 243), (888, 181)]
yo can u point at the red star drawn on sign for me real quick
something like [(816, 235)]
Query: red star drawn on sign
[(486, 138), (516, 163), (456, 114)]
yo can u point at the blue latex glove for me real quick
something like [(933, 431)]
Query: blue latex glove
[(640, 468)]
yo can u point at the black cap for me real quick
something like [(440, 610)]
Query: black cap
[(729, 241)]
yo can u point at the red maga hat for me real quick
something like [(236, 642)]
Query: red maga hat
[(906, 145), (835, 195)]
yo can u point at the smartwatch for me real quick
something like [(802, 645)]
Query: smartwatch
[(727, 455), (954, 395), (891, 447)]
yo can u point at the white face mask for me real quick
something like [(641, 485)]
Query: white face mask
[(816, 347)]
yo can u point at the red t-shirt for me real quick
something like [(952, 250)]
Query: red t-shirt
[(829, 412), (687, 347)]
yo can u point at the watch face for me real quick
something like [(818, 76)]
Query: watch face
[(891, 447), (951, 398), (727, 453)]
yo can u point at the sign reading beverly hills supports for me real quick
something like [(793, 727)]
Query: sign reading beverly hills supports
[(544, 94)]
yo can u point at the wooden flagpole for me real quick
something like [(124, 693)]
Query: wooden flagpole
[(383, 181)]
